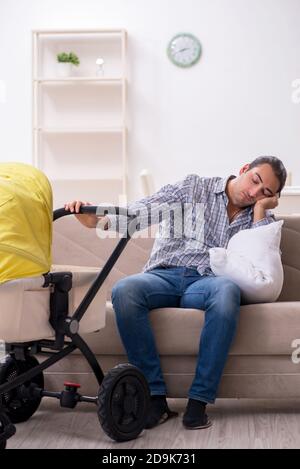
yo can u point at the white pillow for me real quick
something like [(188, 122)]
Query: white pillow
[(252, 260)]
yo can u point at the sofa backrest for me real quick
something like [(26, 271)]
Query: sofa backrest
[(290, 247), (76, 245)]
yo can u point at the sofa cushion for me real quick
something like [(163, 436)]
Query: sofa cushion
[(252, 260), (263, 329)]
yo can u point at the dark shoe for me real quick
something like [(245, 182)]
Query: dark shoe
[(195, 417), (159, 411)]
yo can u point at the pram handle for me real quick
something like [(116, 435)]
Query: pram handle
[(100, 210)]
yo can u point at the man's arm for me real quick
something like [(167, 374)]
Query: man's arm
[(146, 208), (149, 208)]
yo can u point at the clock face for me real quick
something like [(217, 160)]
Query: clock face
[(184, 50)]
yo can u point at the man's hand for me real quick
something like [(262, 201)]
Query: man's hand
[(262, 205), (268, 202), (90, 220)]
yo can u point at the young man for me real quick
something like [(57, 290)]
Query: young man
[(178, 274)]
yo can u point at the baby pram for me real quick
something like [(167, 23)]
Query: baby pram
[(43, 312)]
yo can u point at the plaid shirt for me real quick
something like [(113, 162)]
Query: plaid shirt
[(173, 247)]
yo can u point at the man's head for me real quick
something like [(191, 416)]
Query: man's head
[(263, 177)]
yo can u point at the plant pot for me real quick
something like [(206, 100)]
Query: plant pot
[(64, 69)]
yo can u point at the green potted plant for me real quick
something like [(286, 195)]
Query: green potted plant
[(66, 63)]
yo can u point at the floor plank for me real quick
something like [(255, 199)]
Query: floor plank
[(236, 424)]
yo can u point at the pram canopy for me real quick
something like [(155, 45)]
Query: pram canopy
[(25, 222)]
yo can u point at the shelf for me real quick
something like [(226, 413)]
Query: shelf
[(109, 191), (81, 130), (80, 106), (87, 180), (78, 31), (87, 46), (103, 81), (79, 120), (78, 155), (291, 190)]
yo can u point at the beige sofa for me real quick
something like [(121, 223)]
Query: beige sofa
[(260, 362)]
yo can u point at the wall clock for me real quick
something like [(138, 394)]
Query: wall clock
[(184, 50)]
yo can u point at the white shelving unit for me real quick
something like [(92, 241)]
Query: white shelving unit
[(79, 122)]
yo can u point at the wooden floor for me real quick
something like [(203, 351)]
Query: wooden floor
[(236, 424)]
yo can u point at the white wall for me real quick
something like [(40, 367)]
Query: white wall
[(210, 119)]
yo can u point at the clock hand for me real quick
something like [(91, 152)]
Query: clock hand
[(182, 50)]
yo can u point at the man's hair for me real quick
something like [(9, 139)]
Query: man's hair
[(277, 166)]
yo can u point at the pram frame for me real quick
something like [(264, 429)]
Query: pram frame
[(70, 325)]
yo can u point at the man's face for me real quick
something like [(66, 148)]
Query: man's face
[(254, 184)]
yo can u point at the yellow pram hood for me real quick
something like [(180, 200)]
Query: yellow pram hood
[(25, 221)]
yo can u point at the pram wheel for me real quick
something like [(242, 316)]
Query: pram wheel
[(3, 423), (123, 401), (17, 407), (7, 429)]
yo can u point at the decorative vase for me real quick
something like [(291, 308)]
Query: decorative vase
[(64, 69)]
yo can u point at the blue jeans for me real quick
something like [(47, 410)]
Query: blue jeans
[(134, 296)]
